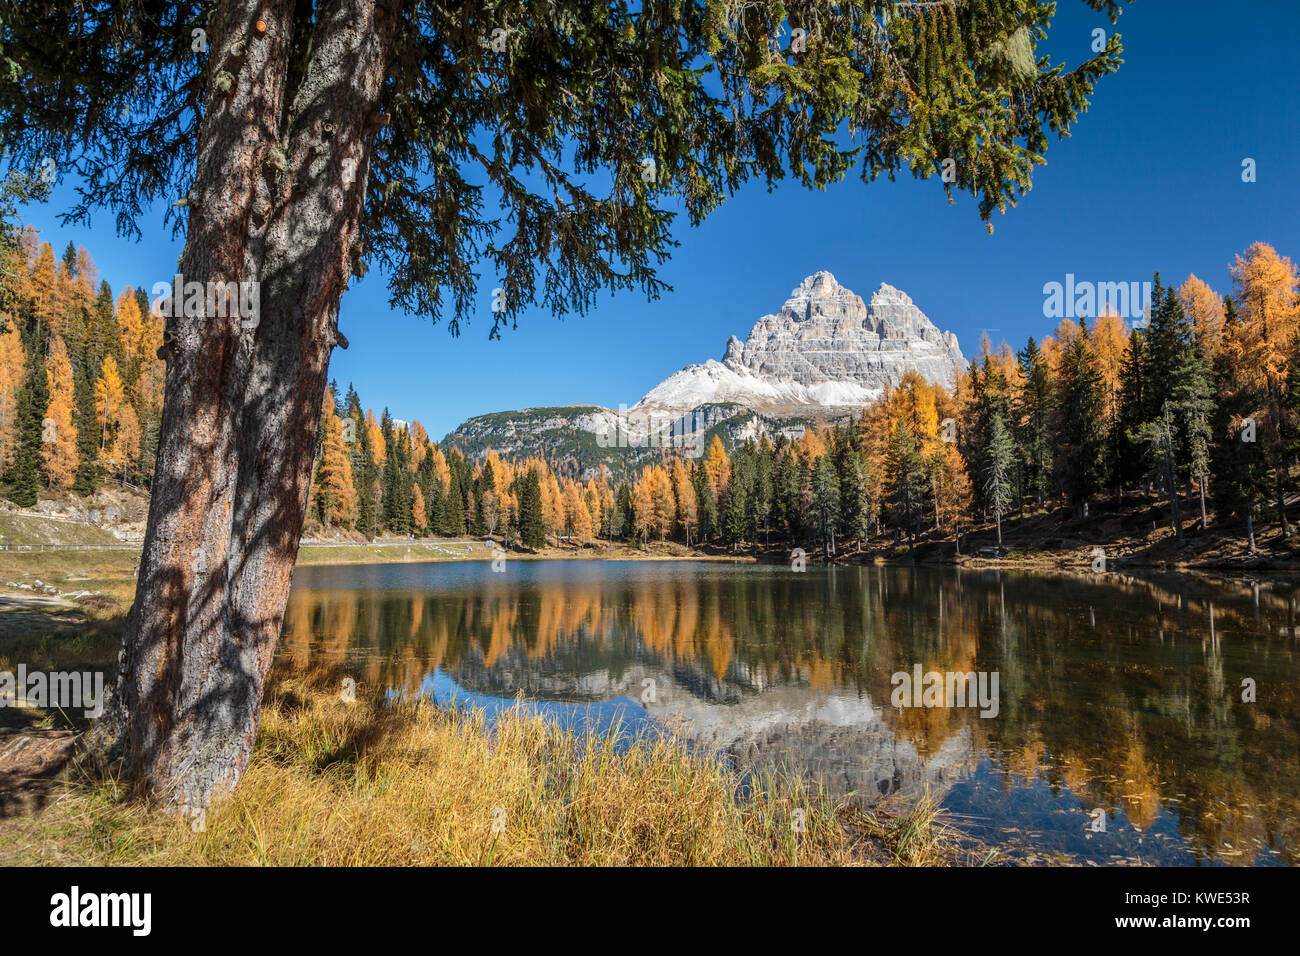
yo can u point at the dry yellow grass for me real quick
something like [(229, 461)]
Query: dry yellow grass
[(333, 784)]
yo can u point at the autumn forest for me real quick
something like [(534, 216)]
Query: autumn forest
[(1197, 411)]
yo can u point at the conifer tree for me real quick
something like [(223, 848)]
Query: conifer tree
[(855, 519), (336, 497), (532, 529), (1160, 438), (12, 363), (999, 463), (826, 502), (398, 96), (1033, 414), (1080, 462), (59, 433), (906, 477), (419, 520), (24, 473)]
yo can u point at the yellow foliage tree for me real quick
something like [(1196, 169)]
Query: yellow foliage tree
[(653, 506), (419, 521), (378, 446), (131, 322), (336, 494), (108, 399), (1204, 307), (125, 449), (1109, 343), (576, 516), (688, 510), (1266, 298), (11, 381), (59, 435), (717, 469)]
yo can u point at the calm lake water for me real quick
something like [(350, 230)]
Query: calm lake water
[(1119, 699)]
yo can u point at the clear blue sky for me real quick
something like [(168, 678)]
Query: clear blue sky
[(1151, 179)]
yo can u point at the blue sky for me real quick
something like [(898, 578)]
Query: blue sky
[(1150, 179)]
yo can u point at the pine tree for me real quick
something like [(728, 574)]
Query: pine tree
[(685, 72), (1033, 415), (1136, 407), (855, 517), (1160, 439), (999, 463), (906, 477), (1080, 462), (735, 505), (24, 473), (452, 523), (532, 529), (826, 502)]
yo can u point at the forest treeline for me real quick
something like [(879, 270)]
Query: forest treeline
[(81, 384), (1199, 409)]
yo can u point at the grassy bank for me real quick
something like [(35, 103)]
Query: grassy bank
[(343, 784)]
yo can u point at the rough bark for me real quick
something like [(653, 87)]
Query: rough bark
[(277, 197)]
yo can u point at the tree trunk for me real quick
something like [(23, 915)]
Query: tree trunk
[(1172, 482), (277, 197), (1281, 502), (1205, 521)]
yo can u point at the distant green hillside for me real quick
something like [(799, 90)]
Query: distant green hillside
[(566, 435)]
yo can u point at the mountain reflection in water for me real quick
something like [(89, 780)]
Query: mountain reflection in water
[(623, 717), (1116, 693)]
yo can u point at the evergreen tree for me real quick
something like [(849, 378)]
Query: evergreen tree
[(826, 502), (25, 472), (452, 521), (855, 518), (532, 528), (1080, 462), (1160, 439), (906, 477), (1033, 416), (999, 463), (1136, 407), (735, 504)]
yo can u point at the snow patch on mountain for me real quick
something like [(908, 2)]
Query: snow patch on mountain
[(824, 350)]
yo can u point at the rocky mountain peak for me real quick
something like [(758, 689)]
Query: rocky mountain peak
[(823, 355), (735, 348), (824, 348), (820, 295), (825, 333)]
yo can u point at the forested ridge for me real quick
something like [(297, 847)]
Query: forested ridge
[(1198, 409)]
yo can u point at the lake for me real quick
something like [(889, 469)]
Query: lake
[(1119, 731)]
